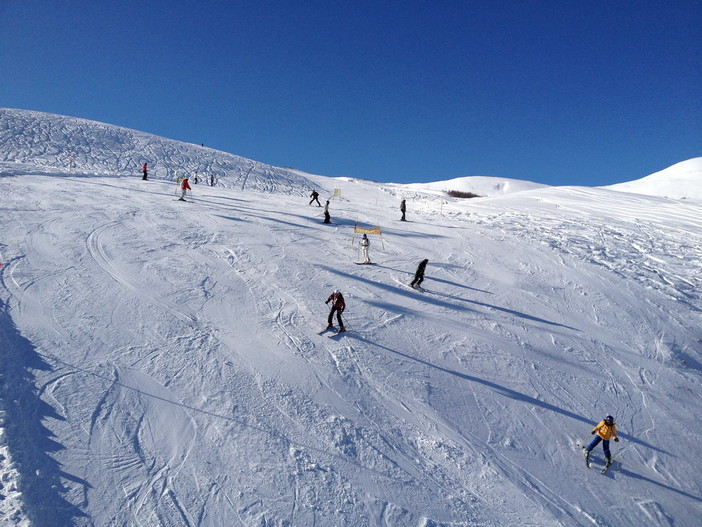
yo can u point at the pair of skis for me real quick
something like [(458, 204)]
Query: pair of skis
[(336, 332), (587, 462), (410, 286)]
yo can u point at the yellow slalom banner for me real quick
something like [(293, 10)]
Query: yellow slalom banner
[(367, 230), (364, 230)]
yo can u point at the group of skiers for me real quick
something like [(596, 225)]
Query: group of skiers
[(336, 298), (327, 219), (338, 304), (604, 431), (182, 182), (365, 242)]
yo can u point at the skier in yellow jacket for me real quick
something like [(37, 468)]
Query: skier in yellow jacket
[(605, 430)]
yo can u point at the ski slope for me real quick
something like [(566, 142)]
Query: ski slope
[(162, 363)]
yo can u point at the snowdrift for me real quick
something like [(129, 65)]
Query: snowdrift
[(479, 185), (162, 362)]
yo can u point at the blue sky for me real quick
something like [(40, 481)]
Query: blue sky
[(556, 92)]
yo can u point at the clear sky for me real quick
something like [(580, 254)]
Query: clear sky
[(561, 92)]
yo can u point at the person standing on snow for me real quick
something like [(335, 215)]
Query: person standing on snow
[(327, 218), (184, 186), (403, 209), (365, 243), (605, 430), (338, 305), (145, 170), (315, 197), (419, 274)]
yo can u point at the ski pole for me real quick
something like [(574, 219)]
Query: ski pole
[(346, 326)]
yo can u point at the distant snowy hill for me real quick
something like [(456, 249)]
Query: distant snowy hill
[(480, 185), (681, 181), (161, 362)]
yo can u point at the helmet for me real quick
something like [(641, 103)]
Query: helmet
[(337, 292), (609, 420)]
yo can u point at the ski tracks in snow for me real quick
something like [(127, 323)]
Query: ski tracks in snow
[(343, 385), (450, 441), (141, 436), (101, 256)]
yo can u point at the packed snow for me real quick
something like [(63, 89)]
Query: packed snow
[(681, 181), (162, 362)]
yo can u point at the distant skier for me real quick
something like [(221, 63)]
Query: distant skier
[(338, 305), (419, 274), (327, 218), (605, 430), (403, 209), (315, 197), (145, 171), (212, 181), (365, 244), (184, 187)]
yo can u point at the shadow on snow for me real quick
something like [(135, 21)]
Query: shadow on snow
[(429, 298), (29, 441), (503, 390)]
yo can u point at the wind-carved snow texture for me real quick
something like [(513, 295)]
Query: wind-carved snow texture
[(162, 362), (80, 146)]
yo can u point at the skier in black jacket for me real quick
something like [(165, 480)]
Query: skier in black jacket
[(419, 275), (315, 197)]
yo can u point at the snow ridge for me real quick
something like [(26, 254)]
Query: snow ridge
[(74, 145)]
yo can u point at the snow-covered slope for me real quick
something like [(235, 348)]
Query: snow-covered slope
[(162, 365), (79, 146), (681, 181)]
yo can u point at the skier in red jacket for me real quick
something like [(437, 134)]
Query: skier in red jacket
[(184, 186), (338, 305), (145, 170)]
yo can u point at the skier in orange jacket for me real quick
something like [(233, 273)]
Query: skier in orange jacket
[(605, 430)]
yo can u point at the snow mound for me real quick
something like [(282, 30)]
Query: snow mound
[(71, 145), (480, 185), (680, 181)]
